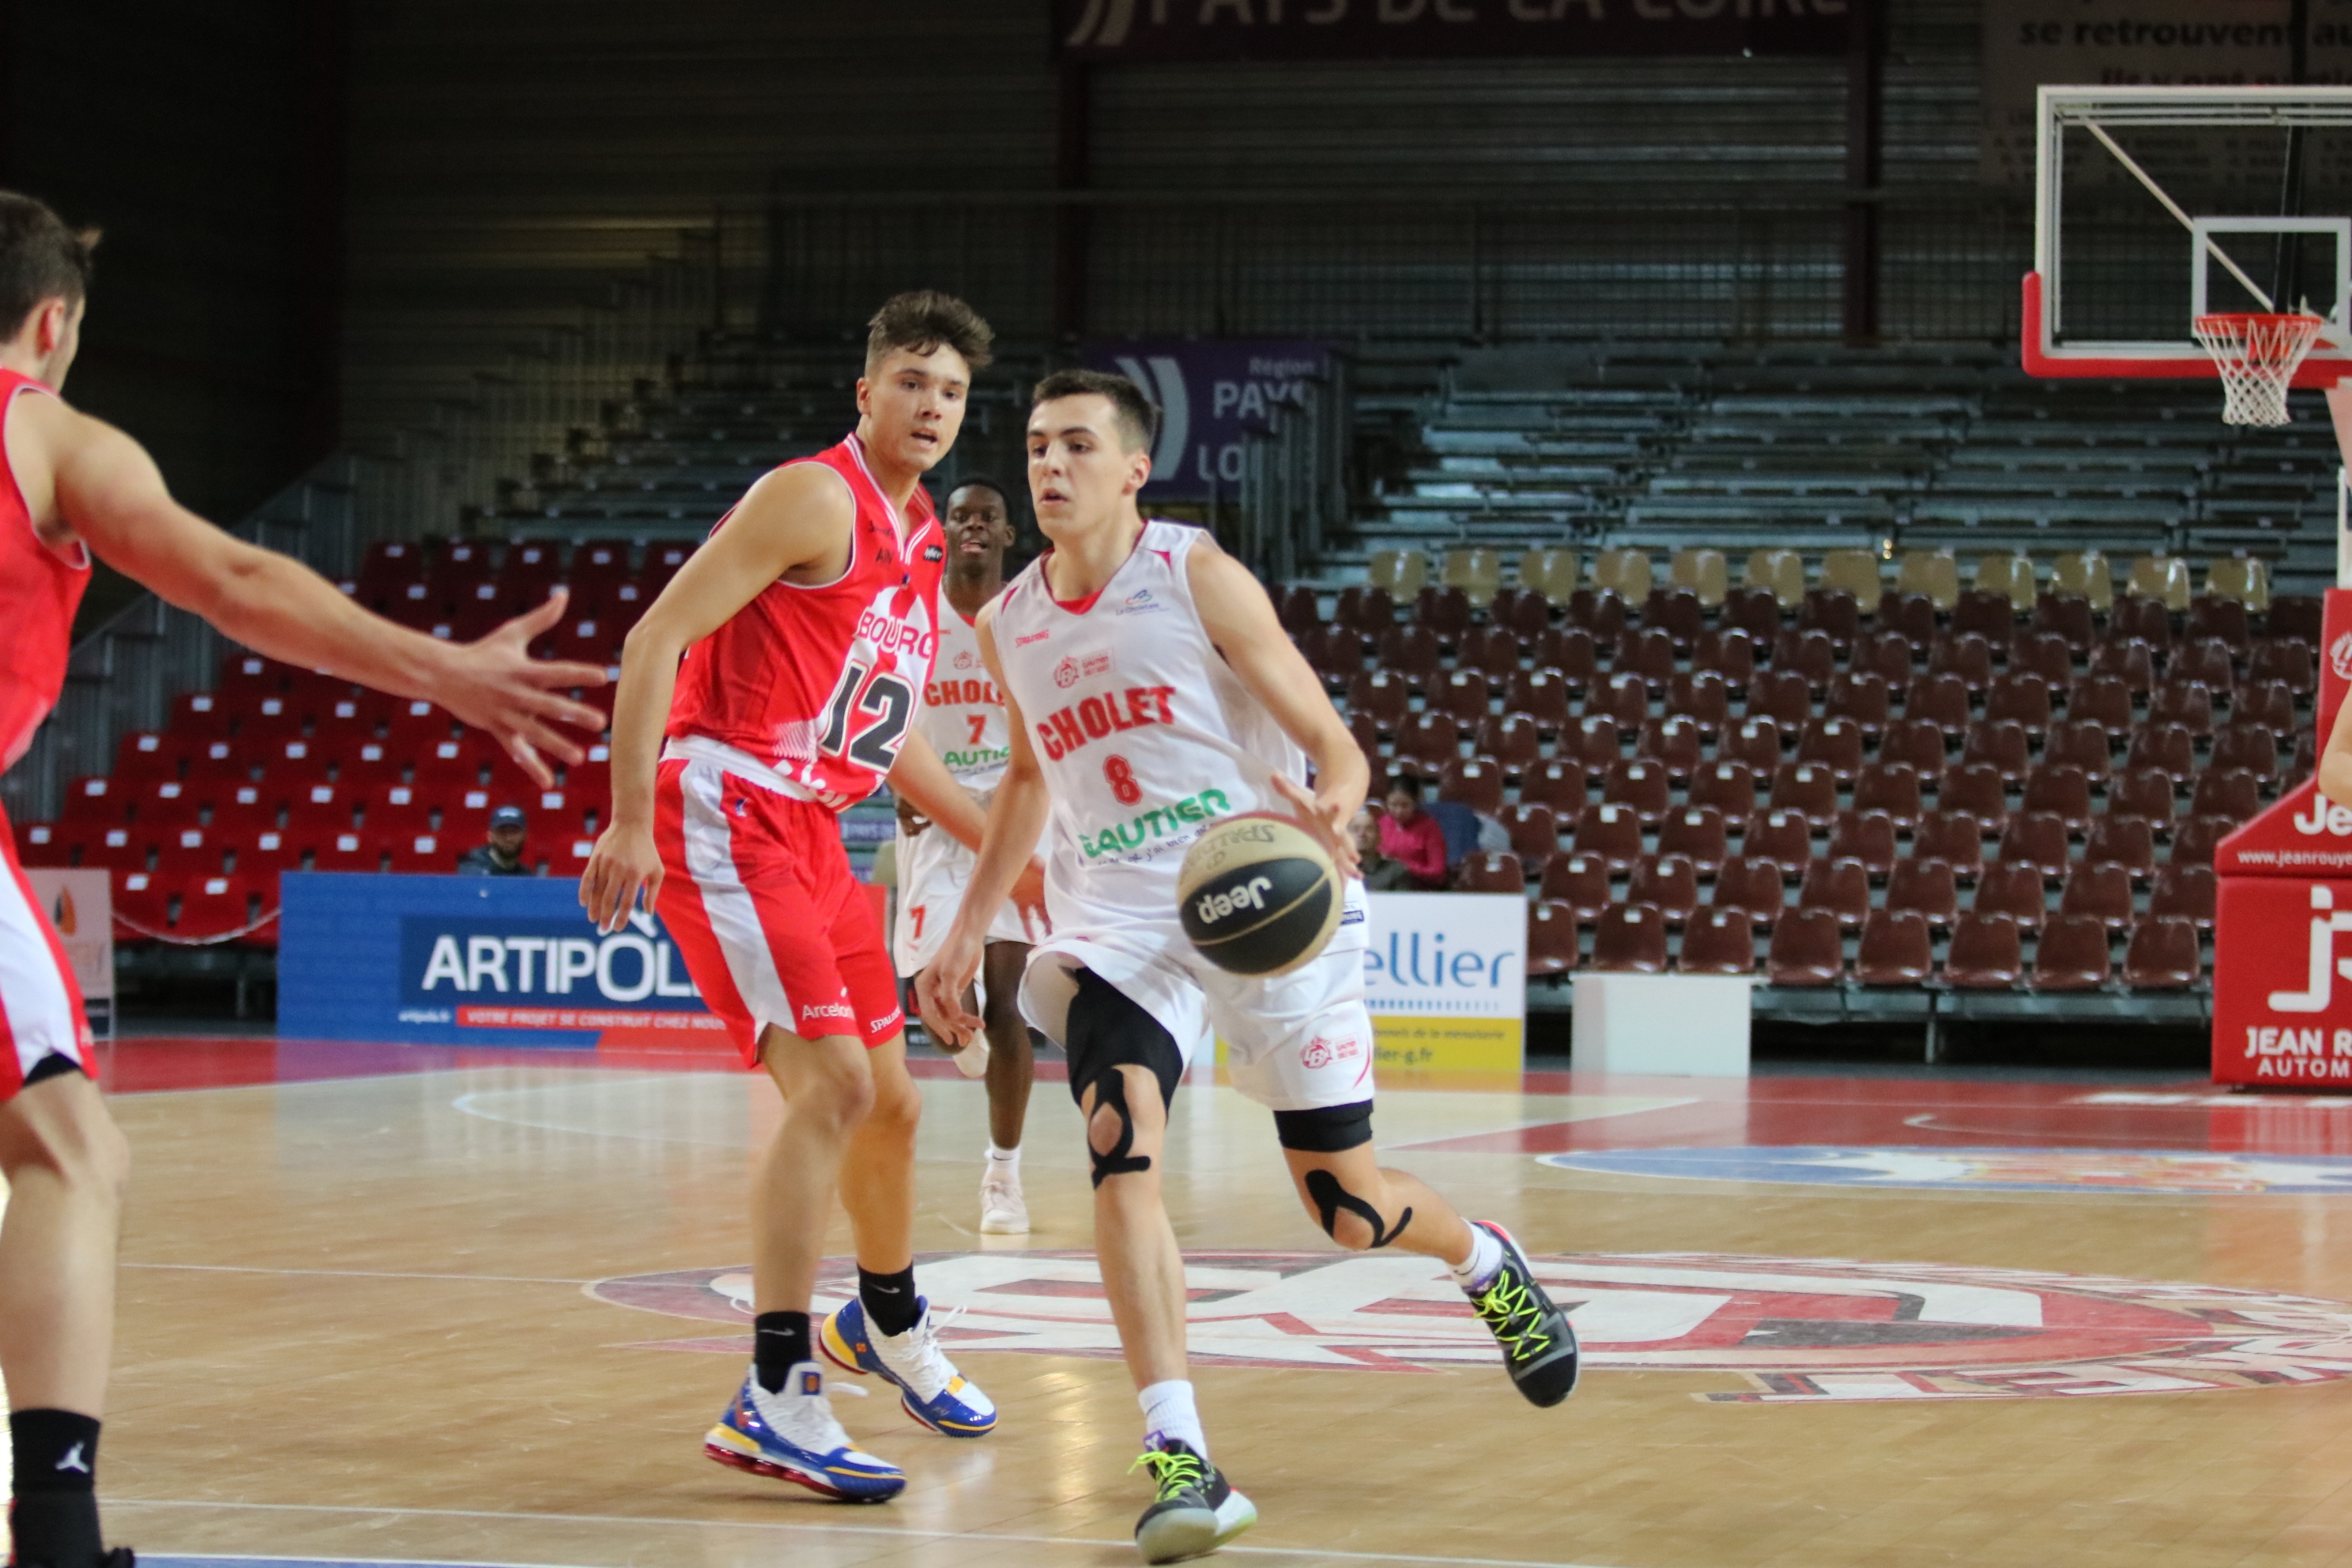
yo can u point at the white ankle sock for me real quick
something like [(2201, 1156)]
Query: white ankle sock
[(1168, 1412), (1010, 1158), (1474, 1272)]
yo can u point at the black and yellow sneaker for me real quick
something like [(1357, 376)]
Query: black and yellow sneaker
[(1196, 1510), (1538, 1342)]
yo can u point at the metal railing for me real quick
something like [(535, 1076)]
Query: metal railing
[(1294, 486)]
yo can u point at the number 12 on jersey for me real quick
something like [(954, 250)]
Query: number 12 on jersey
[(884, 697)]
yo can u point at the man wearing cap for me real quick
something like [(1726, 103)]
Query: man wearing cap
[(502, 856)]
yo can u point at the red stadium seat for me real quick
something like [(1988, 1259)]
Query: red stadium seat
[(1754, 742), (1511, 739), (2285, 659), (1667, 883), (1783, 837), (1840, 886), (1443, 609), (2125, 841), (2185, 890), (1492, 650), (1599, 611), (2163, 955), (2068, 615), (1964, 654), (1862, 700), (2079, 744), (2169, 748), (1461, 692), (1476, 782), (142, 906), (1611, 833), (1833, 613), (43, 844), (1717, 941), (1889, 788), (1728, 787), (2000, 743), (1917, 744), (2188, 703), (1897, 948), (1955, 837), (2230, 793), (1752, 886), (1560, 784), (1865, 836), (1783, 696), (1578, 883), (424, 853), (1888, 655), (2044, 654), (1541, 693), (1491, 871), (1941, 700), (1675, 741), (1380, 694), (1638, 783), (1568, 650), (1985, 954), (1429, 739), (1534, 830), (2267, 703), (1754, 611), (1832, 743), (2213, 617), (1702, 696), (1807, 949), (1631, 938), (2102, 892), (1623, 699), (2023, 696), (1728, 652), (2036, 838), (1592, 742), (2101, 700), (1551, 939), (1911, 615), (1410, 650), (1988, 614), (1696, 833), (1677, 612), (2063, 789), (1926, 886), (2144, 793), (2128, 659), (1808, 788), (2072, 955), (1808, 652)]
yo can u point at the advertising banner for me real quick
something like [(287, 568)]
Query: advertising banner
[(475, 961), (1108, 31), (1447, 983), (1212, 393), (2282, 996), (80, 904)]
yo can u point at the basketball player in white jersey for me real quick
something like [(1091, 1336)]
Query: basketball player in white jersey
[(963, 718), (1151, 691)]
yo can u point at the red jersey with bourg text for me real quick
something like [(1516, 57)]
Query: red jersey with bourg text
[(40, 588), (816, 686)]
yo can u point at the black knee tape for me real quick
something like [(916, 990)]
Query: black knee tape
[(1108, 1030), (1326, 1130), (1330, 1197), (1110, 1094)]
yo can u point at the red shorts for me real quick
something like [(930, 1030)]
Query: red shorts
[(758, 895), (40, 1005)]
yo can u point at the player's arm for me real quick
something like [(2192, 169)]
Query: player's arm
[(2335, 762), (1016, 819), (104, 487), (921, 779), (794, 517), (1241, 621)]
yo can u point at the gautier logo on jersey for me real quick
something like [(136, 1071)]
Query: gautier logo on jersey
[(1152, 829), (1446, 978), (1091, 718)]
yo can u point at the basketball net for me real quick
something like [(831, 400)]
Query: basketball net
[(2257, 356)]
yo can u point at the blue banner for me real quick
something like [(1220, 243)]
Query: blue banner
[(1212, 393)]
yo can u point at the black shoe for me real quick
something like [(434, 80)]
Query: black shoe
[(1196, 1510), (1538, 1342), (119, 1558)]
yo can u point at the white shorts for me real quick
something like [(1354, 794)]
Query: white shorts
[(40, 1005), (933, 871), (1299, 1041)]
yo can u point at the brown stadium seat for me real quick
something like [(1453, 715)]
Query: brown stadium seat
[(1783, 696), (1834, 612), (2169, 747), (1784, 838), (2044, 654), (2063, 789), (1411, 651), (1806, 787), (1717, 941), (1889, 788), (2102, 892), (1865, 836), (2003, 742), (1591, 740), (1568, 649), (1540, 693), (1832, 743), (2245, 745), (1522, 612), (1896, 949), (1728, 788), (2072, 955), (1755, 611), (1807, 651), (1461, 692), (1578, 883), (1675, 611), (2022, 696), (1840, 886), (1631, 938), (1962, 654), (1978, 789), (1560, 783), (1807, 949), (2194, 839), (1861, 699), (1443, 609), (1696, 833), (2187, 890), (1612, 833), (1476, 782), (1296, 610), (1754, 742), (2036, 838), (1551, 939), (1888, 654), (1941, 700), (2188, 703), (1367, 733), (1511, 739), (1926, 886), (1912, 614), (2234, 792), (2014, 890), (1534, 830), (1379, 694), (1989, 615), (1985, 954), (2079, 743), (1675, 741), (1600, 611), (2270, 702), (1751, 885), (2210, 615), (1729, 652), (2145, 614), (1336, 652), (1648, 652), (2163, 955), (2206, 660), (1435, 739), (2128, 660), (2284, 658), (1491, 871), (1702, 695), (2294, 616), (2125, 841), (2101, 700), (1623, 697), (1668, 882), (1917, 744), (2145, 792), (2307, 757), (1638, 783), (1494, 650), (1368, 610), (2067, 614)]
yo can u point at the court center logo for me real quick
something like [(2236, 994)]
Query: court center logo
[(1790, 1330)]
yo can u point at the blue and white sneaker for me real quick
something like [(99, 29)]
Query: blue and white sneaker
[(929, 1387), (792, 1435)]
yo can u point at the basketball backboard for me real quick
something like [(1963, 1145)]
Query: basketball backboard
[(2154, 205)]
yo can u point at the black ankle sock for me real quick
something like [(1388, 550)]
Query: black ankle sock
[(780, 1342), (888, 1299), (54, 1519)]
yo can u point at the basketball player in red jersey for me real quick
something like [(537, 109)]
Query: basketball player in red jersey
[(772, 684), (74, 489)]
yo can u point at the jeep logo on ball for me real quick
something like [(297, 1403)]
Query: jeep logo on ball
[(1251, 894)]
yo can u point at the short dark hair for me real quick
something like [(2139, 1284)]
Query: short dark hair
[(40, 258), (924, 319), (1138, 416), (986, 482), (1406, 784)]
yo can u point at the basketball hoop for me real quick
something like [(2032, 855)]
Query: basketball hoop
[(2257, 356)]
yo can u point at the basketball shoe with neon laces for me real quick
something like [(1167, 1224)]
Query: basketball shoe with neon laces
[(792, 1435), (929, 1388), (1196, 1510), (1539, 1347)]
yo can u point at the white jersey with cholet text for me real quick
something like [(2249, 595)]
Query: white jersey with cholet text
[(963, 716)]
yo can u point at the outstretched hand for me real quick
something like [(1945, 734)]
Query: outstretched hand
[(496, 686), (1327, 820), (940, 990)]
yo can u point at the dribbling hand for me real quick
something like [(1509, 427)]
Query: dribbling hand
[(624, 865), (1327, 820)]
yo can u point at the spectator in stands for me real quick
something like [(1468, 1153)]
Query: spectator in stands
[(1381, 874), (502, 856), (1411, 838)]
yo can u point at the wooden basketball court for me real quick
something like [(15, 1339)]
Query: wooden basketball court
[(455, 1307)]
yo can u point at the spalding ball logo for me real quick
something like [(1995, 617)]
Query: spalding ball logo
[(2339, 656), (1250, 895)]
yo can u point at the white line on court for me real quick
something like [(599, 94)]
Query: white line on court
[(359, 1273), (1307, 1552)]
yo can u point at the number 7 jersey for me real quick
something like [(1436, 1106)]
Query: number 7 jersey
[(809, 690)]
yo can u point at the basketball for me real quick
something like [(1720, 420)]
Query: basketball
[(1258, 895)]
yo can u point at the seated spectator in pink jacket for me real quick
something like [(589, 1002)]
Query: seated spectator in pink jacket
[(1411, 838)]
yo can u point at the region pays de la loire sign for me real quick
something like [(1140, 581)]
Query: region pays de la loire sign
[(1787, 1330), (1108, 31)]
